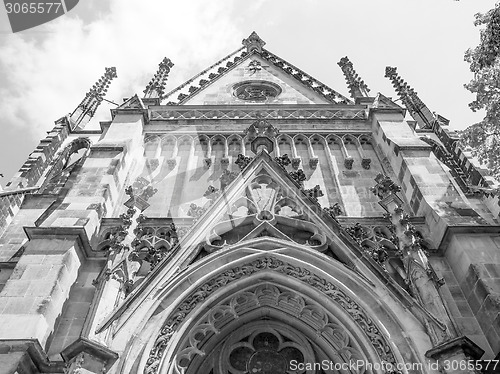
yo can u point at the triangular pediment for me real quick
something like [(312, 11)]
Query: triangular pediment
[(134, 102), (262, 201), (261, 209), (253, 78), (383, 102)]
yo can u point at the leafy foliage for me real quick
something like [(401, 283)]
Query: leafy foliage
[(484, 137)]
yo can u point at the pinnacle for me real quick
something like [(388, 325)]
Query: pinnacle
[(254, 43)]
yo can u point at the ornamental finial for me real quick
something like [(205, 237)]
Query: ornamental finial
[(261, 135), (87, 108), (410, 99), (156, 87), (357, 86), (254, 43)]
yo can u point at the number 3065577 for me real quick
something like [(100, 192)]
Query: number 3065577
[(32, 7)]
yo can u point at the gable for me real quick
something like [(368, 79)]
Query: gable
[(262, 201), (249, 80)]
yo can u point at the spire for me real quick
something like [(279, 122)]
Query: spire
[(357, 86), (254, 43), (156, 87), (87, 108), (410, 99)]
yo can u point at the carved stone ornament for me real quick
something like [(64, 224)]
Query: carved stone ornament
[(296, 162), (314, 192), (313, 162), (283, 161), (224, 162), (207, 163), (366, 163), (298, 176), (331, 291), (334, 210), (242, 161), (259, 91), (274, 210), (261, 133), (268, 345), (227, 177), (348, 163), (384, 187)]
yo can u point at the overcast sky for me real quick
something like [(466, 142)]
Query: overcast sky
[(46, 71)]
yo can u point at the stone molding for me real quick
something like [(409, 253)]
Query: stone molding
[(457, 345), (269, 263), (34, 359), (267, 295), (171, 113)]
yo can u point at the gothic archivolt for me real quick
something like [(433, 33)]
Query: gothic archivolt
[(277, 304), (372, 337)]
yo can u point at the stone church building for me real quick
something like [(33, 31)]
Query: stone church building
[(251, 220)]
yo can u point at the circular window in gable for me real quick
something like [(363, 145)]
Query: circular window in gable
[(256, 90)]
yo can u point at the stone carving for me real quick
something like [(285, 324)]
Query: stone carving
[(227, 177), (298, 176), (177, 317), (273, 210), (348, 161), (254, 43), (270, 296), (313, 162), (257, 91), (283, 161), (242, 161), (384, 187), (296, 162), (261, 127), (254, 66), (261, 134), (224, 163), (366, 163), (358, 232), (88, 106), (378, 242), (407, 95), (357, 86), (171, 163), (334, 210), (196, 211), (212, 193), (207, 163), (421, 278), (156, 87), (314, 193)]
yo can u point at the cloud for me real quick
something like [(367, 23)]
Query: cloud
[(46, 76), (45, 72)]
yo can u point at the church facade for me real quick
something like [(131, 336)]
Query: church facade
[(251, 220)]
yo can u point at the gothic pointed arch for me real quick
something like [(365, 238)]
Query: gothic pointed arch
[(294, 294)]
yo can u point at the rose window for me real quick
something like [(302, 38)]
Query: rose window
[(256, 90), (265, 353)]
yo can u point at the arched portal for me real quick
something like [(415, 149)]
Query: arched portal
[(244, 291), (270, 329)]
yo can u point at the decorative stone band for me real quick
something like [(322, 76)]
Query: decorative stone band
[(332, 292), (248, 113)]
